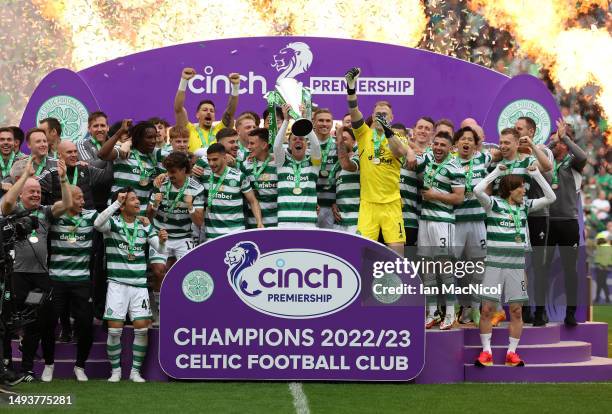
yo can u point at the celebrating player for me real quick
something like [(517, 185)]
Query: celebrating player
[(297, 178), (260, 168), (71, 242), (505, 262), (380, 153), (224, 187), (345, 175), (443, 189), (323, 122), (470, 230), (203, 134), (137, 167), (178, 204), (126, 240)]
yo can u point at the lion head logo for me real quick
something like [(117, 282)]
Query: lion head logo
[(292, 60), (239, 258)]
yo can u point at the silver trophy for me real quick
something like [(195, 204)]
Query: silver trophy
[(291, 92)]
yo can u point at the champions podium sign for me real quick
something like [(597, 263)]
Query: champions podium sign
[(289, 305), (301, 305)]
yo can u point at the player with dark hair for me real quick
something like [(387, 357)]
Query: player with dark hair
[(203, 133), (53, 130), (126, 240), (505, 261)]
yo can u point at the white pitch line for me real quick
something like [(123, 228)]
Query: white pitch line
[(300, 402)]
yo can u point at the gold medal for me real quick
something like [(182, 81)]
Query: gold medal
[(324, 173), (297, 191), (72, 239), (131, 257), (555, 186), (518, 238), (33, 239), (143, 182), (375, 160)]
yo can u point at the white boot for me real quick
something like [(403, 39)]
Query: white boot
[(47, 375), (115, 375), (135, 376), (80, 375)]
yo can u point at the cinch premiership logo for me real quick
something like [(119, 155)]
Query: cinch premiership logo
[(291, 61), (291, 283), (526, 107), (198, 286), (69, 111)]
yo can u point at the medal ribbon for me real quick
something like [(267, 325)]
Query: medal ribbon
[(516, 217), (333, 172), (75, 175), (297, 172), (6, 168), (258, 170), (179, 195), (143, 170), (130, 238), (41, 166), (96, 143), (468, 176), (325, 153), (377, 141), (209, 139), (430, 176), (214, 188), (76, 223), (556, 167)]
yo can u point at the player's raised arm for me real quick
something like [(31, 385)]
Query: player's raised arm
[(351, 95), (396, 146), (180, 113), (232, 103)]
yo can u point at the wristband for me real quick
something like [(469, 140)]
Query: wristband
[(183, 85), (350, 91), (235, 89), (191, 210), (63, 180)]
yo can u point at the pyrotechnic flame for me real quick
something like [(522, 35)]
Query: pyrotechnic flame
[(546, 31), (102, 33)]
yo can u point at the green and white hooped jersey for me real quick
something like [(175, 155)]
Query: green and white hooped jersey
[(266, 191), (450, 175), (503, 251), (70, 261), (226, 215), (297, 208), (119, 268), (514, 167), (326, 196), (347, 194), (471, 209), (409, 195), (127, 174), (178, 221)]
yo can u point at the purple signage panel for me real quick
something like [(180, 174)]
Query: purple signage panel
[(416, 82), (291, 305)]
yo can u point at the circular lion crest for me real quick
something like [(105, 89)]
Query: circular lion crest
[(526, 107)]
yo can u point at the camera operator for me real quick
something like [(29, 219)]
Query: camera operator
[(30, 267)]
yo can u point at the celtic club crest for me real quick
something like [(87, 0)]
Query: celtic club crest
[(198, 286), (69, 111), (526, 107)]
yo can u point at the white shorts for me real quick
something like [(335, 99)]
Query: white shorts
[(511, 281), (174, 248), (121, 299), (325, 219), (297, 225), (435, 239), (471, 239), (346, 229)]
